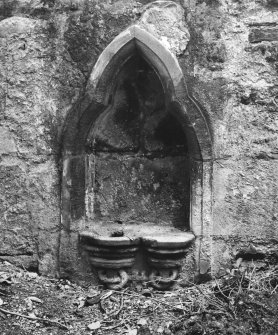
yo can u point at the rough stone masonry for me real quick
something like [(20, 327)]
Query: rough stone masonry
[(228, 53)]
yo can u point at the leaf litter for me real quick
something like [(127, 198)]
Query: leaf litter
[(244, 301)]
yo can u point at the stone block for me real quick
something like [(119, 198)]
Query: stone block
[(7, 142), (16, 241), (131, 188), (77, 188), (245, 198), (263, 34), (165, 20), (258, 251), (16, 25), (47, 248)]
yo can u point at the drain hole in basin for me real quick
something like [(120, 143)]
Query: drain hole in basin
[(117, 233)]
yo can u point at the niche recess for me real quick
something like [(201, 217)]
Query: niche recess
[(137, 150), (138, 168)]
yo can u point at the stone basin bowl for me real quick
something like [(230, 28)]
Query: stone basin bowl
[(109, 252), (164, 244), (176, 239), (164, 256), (112, 255), (166, 251)]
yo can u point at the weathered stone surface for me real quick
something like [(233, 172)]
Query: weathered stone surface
[(138, 119), (258, 35), (247, 189), (141, 189), (7, 144), (29, 171), (165, 20), (47, 52), (232, 247)]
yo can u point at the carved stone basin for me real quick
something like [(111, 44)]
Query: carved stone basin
[(164, 253), (177, 239), (108, 252), (111, 256), (112, 250)]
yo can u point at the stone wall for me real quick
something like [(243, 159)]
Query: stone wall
[(47, 52)]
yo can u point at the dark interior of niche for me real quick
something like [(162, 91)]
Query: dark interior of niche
[(170, 133), (139, 120), (141, 165)]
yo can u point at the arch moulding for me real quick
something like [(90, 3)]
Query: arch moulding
[(97, 98)]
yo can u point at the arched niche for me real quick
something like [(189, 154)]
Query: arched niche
[(139, 166), (100, 86), (90, 142)]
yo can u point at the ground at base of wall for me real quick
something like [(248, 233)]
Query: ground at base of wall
[(243, 302)]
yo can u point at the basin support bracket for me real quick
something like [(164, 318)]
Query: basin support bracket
[(114, 279)]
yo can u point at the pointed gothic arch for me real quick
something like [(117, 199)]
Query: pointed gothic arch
[(97, 99), (100, 86)]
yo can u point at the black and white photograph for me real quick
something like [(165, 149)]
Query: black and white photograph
[(138, 167)]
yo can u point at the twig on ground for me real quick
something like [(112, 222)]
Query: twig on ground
[(259, 304), (154, 299), (112, 313), (220, 290), (120, 308), (113, 327), (210, 312), (275, 288), (5, 311)]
